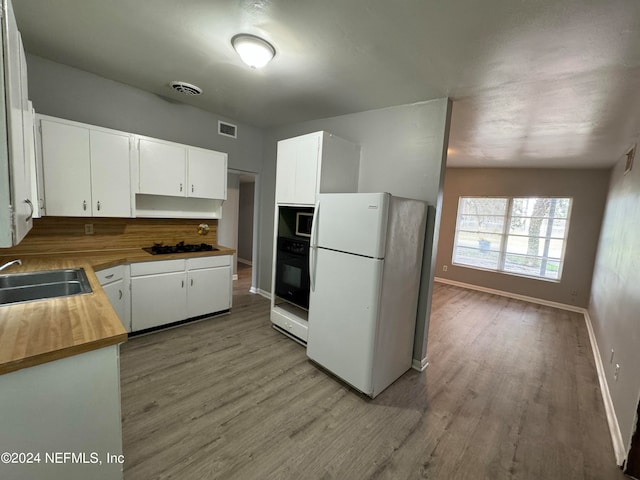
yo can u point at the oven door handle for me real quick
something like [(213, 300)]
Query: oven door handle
[(313, 245)]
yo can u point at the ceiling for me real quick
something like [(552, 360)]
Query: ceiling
[(535, 83)]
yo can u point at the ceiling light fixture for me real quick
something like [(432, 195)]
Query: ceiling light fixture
[(254, 51)]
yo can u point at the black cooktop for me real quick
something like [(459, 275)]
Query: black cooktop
[(180, 247)]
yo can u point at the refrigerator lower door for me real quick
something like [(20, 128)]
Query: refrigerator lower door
[(343, 316)]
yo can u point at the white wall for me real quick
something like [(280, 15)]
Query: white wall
[(228, 224), (403, 150), (615, 294), (587, 188), (66, 92), (245, 221)]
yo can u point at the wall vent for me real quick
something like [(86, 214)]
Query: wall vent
[(227, 129), (186, 88)]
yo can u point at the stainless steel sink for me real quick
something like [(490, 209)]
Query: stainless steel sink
[(27, 287), (37, 278)]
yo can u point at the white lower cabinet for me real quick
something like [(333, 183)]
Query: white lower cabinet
[(157, 300), (66, 405), (209, 282), (164, 292), (115, 284)]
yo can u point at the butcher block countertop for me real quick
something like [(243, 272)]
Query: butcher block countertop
[(41, 331)]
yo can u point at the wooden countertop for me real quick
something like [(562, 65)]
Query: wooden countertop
[(37, 332)]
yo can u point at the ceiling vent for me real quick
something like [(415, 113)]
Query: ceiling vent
[(227, 129), (186, 88)]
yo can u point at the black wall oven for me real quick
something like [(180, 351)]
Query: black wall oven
[(292, 270)]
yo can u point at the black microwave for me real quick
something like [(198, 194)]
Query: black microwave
[(304, 222)]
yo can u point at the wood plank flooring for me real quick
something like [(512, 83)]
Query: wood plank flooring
[(511, 393)]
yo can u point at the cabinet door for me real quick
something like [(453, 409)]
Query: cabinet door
[(118, 297), (297, 170), (208, 291), (162, 168), (207, 174), (110, 174), (158, 300), (22, 197), (67, 169)]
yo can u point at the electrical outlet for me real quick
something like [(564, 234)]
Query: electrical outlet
[(616, 374), (613, 352), (88, 228), (444, 268)]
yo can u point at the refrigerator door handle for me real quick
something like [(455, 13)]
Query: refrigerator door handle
[(313, 245)]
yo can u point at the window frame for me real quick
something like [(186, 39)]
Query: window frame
[(504, 236)]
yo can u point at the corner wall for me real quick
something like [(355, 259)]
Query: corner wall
[(588, 188), (615, 294), (403, 151)]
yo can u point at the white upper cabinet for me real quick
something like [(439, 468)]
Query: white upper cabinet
[(162, 167), (110, 174), (86, 170), (315, 163), (67, 169), (176, 170), (297, 171), (207, 174), (16, 206)]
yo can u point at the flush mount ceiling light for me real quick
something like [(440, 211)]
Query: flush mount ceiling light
[(254, 51)]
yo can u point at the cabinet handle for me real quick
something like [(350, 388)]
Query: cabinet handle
[(192, 188), (182, 283), (28, 202), (84, 204), (109, 276), (180, 187), (120, 292), (98, 205), (192, 282)]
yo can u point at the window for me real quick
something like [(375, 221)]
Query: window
[(520, 236)]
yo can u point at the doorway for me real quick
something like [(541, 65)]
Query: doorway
[(238, 228)]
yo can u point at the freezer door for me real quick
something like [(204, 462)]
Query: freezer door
[(352, 222), (343, 314)]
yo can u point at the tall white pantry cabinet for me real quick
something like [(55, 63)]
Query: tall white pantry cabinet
[(308, 165), (315, 163)]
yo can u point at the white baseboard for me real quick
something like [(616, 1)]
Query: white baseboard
[(525, 298), (260, 292), (614, 427), (245, 262), (420, 365)]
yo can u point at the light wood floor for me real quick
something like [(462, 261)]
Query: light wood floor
[(511, 393)]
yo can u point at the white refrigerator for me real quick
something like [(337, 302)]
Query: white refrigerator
[(365, 265)]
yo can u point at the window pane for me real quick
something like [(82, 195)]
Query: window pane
[(537, 227), (518, 245), (522, 264), (482, 206), (559, 229), (563, 205), (475, 257), (534, 246), (555, 249), (553, 270), (480, 241), (482, 223)]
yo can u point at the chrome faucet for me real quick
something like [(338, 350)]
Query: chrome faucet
[(12, 262)]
